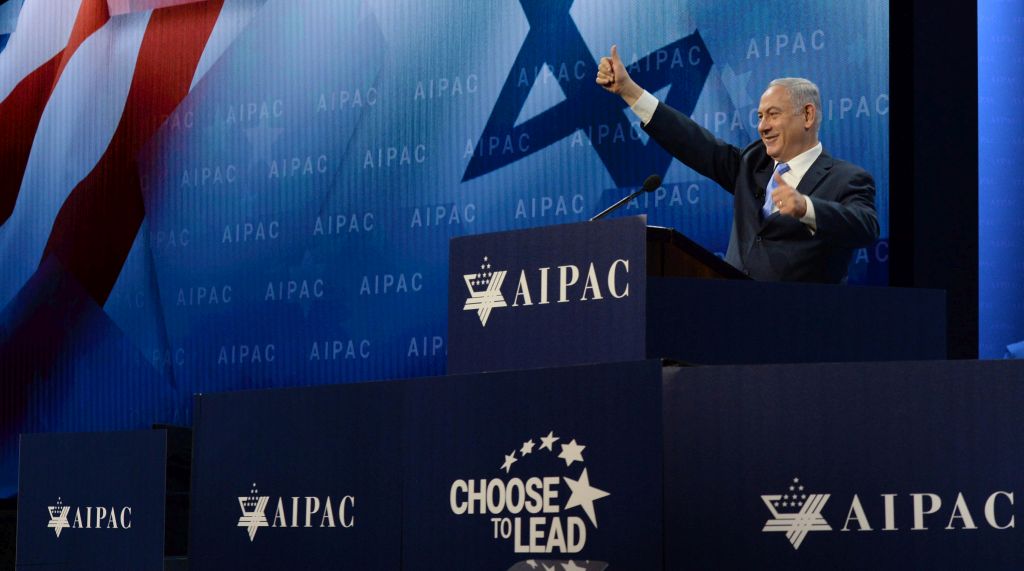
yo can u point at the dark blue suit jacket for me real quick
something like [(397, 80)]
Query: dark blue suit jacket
[(778, 248)]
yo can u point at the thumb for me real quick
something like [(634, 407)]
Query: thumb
[(778, 178), (615, 55)]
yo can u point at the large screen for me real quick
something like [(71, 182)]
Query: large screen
[(260, 193)]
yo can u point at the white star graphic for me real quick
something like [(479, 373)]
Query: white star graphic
[(584, 495), (570, 566), (572, 452), (58, 522), (548, 441), (509, 460), (253, 519), (531, 563), (546, 568), (527, 447)]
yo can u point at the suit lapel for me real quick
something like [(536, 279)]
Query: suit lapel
[(762, 174), (819, 168), (761, 177)]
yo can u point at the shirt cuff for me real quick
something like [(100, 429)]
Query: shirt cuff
[(644, 107), (808, 218)]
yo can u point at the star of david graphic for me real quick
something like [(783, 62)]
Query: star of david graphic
[(555, 41), (254, 509), (795, 513), (484, 291), (58, 517)]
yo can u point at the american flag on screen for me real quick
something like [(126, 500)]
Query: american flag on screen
[(82, 90)]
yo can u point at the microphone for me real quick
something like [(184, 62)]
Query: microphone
[(652, 182)]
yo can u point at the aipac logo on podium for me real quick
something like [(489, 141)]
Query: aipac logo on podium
[(253, 512), (796, 513), (484, 291), (58, 517), (102, 517)]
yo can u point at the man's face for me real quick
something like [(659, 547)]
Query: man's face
[(785, 130)]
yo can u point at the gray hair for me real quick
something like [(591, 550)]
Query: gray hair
[(802, 92)]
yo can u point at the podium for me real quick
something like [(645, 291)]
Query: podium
[(618, 290), (623, 462), (672, 255)]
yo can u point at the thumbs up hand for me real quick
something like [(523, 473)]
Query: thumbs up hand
[(613, 77), (787, 199)]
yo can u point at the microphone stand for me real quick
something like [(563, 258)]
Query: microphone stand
[(621, 201)]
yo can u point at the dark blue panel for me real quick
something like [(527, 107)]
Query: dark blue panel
[(717, 322), (550, 296), (853, 443), (92, 501), (491, 429), (266, 458), (1000, 186)]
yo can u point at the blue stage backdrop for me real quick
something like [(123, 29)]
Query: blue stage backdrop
[(1000, 184), (233, 194)]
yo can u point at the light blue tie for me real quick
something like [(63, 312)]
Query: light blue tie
[(766, 209)]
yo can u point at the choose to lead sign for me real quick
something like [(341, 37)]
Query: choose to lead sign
[(548, 468)]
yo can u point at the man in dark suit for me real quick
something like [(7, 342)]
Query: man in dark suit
[(798, 213)]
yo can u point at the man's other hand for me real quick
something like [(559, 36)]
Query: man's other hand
[(788, 200)]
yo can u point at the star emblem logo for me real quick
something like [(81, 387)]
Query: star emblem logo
[(254, 509), (484, 291), (795, 513), (58, 517)]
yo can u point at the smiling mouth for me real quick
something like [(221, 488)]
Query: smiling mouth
[(769, 139)]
